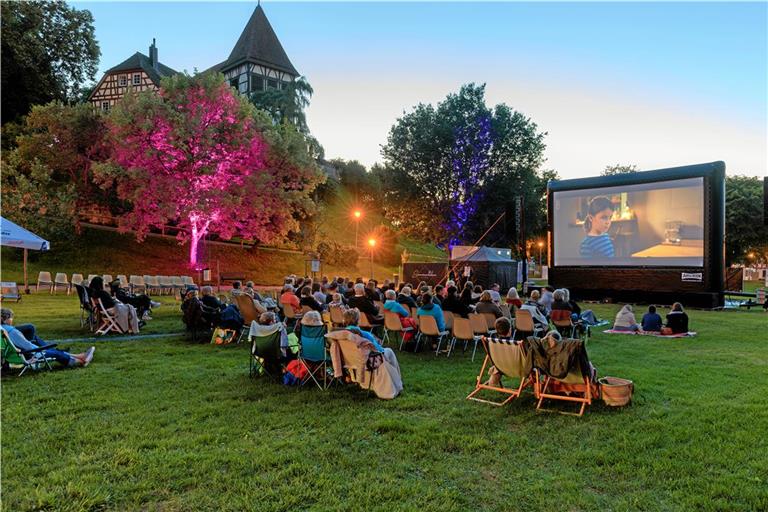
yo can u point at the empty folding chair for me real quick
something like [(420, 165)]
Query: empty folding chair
[(462, 331), (60, 281), (166, 285), (524, 323), (479, 327), (187, 281), (77, 279), (123, 281), (107, 278), (178, 284), (428, 327), (44, 279), (153, 284), (512, 362), (137, 284)]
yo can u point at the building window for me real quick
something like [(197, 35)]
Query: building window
[(105, 106), (136, 79), (271, 83), (233, 83), (123, 80), (257, 82)]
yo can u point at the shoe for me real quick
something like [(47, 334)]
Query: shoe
[(155, 304), (89, 356), (146, 316)]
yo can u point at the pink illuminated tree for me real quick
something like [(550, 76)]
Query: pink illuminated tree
[(200, 156)]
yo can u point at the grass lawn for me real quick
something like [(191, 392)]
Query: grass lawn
[(165, 425)]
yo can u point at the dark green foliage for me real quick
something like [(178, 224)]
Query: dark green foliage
[(333, 253), (48, 51), (745, 231)]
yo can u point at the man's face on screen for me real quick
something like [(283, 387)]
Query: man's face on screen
[(601, 221)]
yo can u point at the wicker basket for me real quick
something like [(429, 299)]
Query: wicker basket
[(616, 392)]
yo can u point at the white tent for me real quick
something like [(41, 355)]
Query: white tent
[(13, 235)]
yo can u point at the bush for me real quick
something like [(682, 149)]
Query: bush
[(334, 254)]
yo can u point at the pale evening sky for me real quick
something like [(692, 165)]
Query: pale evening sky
[(651, 84)]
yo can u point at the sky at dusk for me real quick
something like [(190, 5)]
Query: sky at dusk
[(651, 84)]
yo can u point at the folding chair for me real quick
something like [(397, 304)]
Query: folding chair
[(462, 331), (188, 281), (561, 319), (313, 354), (490, 320), (107, 278), (166, 285), (352, 359), (366, 324), (511, 361), (137, 283), (14, 358), (337, 316), (60, 281), (77, 279), (392, 324), (248, 311), (44, 279), (108, 323), (87, 313), (178, 285), (570, 387), (265, 356), (448, 318), (480, 327), (152, 284), (524, 323), (428, 327)]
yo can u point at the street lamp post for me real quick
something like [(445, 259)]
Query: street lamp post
[(357, 214), (541, 246), (372, 244)]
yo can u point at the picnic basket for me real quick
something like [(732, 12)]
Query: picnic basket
[(616, 392)]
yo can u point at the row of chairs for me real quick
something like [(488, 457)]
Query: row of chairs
[(149, 284)]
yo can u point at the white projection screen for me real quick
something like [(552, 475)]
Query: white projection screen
[(651, 224)]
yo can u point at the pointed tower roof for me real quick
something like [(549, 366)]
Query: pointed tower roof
[(258, 43)]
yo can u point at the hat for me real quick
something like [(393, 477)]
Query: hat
[(311, 318)]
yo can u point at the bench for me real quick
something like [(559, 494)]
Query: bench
[(231, 276)]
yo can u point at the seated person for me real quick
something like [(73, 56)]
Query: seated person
[(319, 292), (250, 290), (365, 305), (503, 332), (23, 343), (625, 320), (495, 295), (405, 298), (140, 301), (288, 297), (226, 316), (540, 321), (535, 296), (125, 315), (477, 291), (466, 294), (651, 320), (454, 304), (485, 305), (428, 308), (559, 302), (403, 314), (310, 318), (237, 289), (351, 321), (513, 299), (192, 312), (586, 316), (268, 325), (308, 300), (677, 319), (438, 296), (546, 299), (337, 301)]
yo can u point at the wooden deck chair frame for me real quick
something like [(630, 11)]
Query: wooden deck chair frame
[(44, 279), (392, 324), (16, 358), (108, 322), (574, 377), (525, 380)]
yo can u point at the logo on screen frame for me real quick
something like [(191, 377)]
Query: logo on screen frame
[(692, 277)]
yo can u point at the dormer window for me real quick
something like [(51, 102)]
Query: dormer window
[(137, 79), (105, 106), (123, 80)]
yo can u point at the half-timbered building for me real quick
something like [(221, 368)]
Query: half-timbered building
[(138, 72), (258, 61)]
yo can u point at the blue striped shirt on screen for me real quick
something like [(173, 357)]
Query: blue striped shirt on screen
[(599, 246)]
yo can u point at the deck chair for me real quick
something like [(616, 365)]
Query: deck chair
[(337, 316), (108, 322), (87, 313), (512, 361), (44, 279), (137, 283), (462, 331), (392, 324), (248, 311), (428, 327), (14, 359), (77, 279), (574, 384), (480, 327), (265, 356), (524, 323), (313, 354), (352, 360), (60, 281)]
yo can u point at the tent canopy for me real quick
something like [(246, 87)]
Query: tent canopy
[(13, 235), (488, 267)]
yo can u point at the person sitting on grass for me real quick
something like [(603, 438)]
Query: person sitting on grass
[(428, 308), (677, 319), (651, 320), (22, 342), (625, 320), (486, 305)]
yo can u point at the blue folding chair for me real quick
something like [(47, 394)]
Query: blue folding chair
[(313, 354)]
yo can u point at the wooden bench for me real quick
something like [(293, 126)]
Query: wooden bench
[(231, 277)]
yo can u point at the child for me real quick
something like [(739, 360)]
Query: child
[(597, 243)]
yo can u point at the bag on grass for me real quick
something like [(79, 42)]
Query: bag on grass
[(295, 372), (223, 336)]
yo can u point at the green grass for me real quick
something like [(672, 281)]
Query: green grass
[(165, 425)]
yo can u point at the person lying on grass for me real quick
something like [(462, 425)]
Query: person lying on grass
[(22, 342)]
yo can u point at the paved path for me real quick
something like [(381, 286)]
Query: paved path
[(116, 338)]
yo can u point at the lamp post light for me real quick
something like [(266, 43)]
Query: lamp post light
[(372, 244), (541, 246), (357, 215)]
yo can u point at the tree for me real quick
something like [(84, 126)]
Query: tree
[(200, 156), (286, 105), (48, 51), (745, 231), (444, 164), (611, 170)]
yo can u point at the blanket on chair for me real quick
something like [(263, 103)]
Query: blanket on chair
[(654, 333)]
